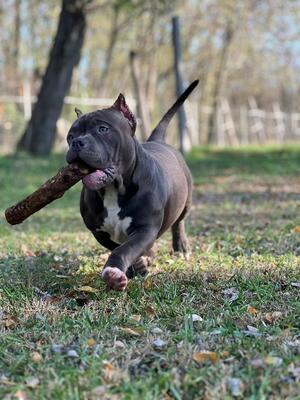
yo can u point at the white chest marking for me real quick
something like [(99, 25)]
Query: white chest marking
[(112, 224)]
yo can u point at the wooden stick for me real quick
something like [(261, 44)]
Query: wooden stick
[(51, 190)]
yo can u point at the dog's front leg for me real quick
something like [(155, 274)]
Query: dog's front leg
[(114, 272)]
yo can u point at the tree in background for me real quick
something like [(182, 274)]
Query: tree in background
[(40, 132), (240, 49)]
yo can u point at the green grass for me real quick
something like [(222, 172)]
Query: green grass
[(243, 236)]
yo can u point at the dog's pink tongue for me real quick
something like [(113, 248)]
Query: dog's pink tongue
[(95, 180)]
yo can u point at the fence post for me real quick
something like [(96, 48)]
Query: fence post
[(244, 125), (279, 122)]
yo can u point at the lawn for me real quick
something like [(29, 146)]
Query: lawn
[(223, 324)]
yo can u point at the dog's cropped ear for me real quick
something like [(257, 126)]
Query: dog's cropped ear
[(79, 113), (121, 105)]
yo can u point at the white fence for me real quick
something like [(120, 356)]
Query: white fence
[(237, 126)]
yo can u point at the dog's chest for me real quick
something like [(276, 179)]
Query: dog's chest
[(113, 224)]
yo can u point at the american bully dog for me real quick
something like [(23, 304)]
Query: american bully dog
[(136, 191)]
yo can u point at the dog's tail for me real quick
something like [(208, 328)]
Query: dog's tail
[(159, 132)]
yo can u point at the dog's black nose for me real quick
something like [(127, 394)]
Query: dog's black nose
[(77, 144)]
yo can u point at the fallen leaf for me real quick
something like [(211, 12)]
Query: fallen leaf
[(159, 344), (36, 357), (297, 229), (231, 294), (87, 289), (132, 332), (203, 356), (108, 371), (294, 371), (27, 252), (273, 316), (9, 321), (21, 395), (150, 309), (224, 354), (296, 284), (251, 310), (251, 331), (135, 317), (196, 318), (119, 344), (32, 382), (273, 361), (91, 342), (5, 381), (235, 386), (57, 348), (156, 330), (72, 353), (148, 283), (257, 363)]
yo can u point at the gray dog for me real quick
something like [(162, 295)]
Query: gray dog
[(136, 192)]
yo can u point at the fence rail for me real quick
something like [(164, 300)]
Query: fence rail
[(233, 126)]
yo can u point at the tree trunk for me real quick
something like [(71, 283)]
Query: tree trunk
[(16, 49), (140, 95), (40, 133), (114, 31), (218, 81)]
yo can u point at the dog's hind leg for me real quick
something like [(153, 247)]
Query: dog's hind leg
[(179, 239)]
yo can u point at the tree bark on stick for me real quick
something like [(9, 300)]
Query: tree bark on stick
[(51, 190), (39, 135)]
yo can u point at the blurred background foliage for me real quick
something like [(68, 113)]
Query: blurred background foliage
[(239, 49)]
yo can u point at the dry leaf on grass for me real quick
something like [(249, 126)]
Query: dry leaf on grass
[(251, 310), (9, 321), (273, 316), (135, 317), (21, 395), (32, 382), (87, 289), (132, 332), (273, 361), (72, 353), (231, 294), (203, 356), (196, 318), (148, 283), (108, 371), (296, 284), (297, 229), (150, 309), (159, 344), (36, 357), (27, 252), (235, 386), (91, 342), (156, 330), (5, 381), (251, 331)]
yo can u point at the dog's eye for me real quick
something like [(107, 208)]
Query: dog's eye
[(102, 129)]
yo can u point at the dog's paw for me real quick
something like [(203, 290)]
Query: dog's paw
[(140, 267), (183, 255), (115, 278)]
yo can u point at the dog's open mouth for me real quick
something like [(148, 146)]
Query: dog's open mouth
[(99, 178)]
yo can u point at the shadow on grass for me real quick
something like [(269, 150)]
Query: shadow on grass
[(209, 163)]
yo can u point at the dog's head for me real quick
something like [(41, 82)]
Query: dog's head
[(103, 140)]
